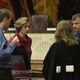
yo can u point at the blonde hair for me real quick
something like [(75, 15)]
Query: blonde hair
[(20, 22), (64, 31)]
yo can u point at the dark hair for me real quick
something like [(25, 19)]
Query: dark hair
[(75, 16), (4, 13)]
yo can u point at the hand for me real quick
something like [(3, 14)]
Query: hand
[(15, 40)]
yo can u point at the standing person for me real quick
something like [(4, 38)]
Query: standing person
[(5, 50), (23, 51), (62, 61), (76, 25)]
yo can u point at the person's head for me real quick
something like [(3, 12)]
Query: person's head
[(22, 25), (64, 31), (76, 22), (5, 18)]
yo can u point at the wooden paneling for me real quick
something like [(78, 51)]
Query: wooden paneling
[(6, 4), (54, 10), (25, 10), (48, 7), (40, 6)]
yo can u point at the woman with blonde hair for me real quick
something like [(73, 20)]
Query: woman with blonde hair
[(62, 61), (22, 53)]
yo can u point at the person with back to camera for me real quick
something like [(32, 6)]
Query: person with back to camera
[(6, 49), (23, 50), (76, 25), (62, 61)]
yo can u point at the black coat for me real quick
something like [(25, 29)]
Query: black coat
[(60, 54)]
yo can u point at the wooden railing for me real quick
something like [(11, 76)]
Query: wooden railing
[(37, 68)]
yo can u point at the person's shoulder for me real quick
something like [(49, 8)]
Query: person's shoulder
[(78, 45), (58, 43), (28, 37), (55, 44)]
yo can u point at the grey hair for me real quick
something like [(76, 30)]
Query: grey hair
[(75, 16), (4, 13)]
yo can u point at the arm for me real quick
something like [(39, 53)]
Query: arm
[(9, 48)]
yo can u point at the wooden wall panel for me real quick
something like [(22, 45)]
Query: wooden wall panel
[(54, 10), (6, 4), (48, 7)]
